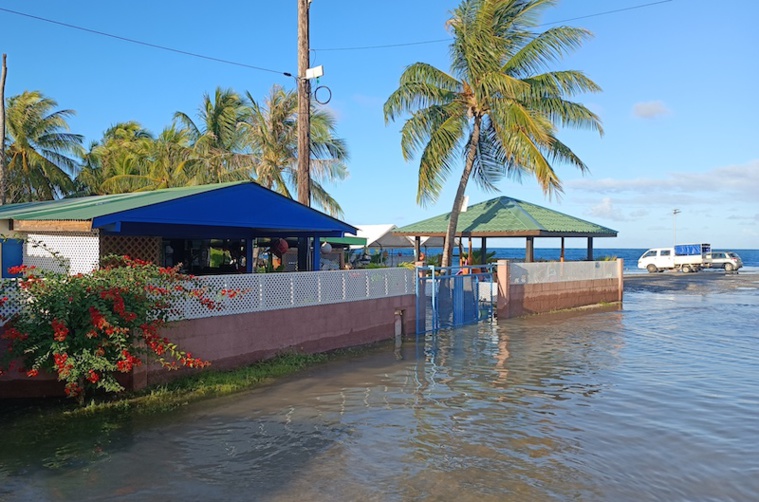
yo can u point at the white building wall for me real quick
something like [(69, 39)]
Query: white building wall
[(77, 252)]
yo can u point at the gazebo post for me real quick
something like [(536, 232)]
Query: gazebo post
[(590, 248), (484, 251), (562, 249), (529, 255), (417, 247)]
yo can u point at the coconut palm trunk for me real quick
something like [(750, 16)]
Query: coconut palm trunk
[(450, 234)]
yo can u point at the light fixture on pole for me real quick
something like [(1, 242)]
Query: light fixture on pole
[(675, 212)]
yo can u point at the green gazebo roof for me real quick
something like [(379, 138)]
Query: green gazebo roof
[(507, 217)]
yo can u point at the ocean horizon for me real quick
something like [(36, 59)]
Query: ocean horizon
[(630, 256)]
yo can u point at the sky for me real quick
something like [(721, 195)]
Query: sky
[(678, 106)]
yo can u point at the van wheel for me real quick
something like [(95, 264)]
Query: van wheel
[(686, 269), (652, 268), (729, 267)]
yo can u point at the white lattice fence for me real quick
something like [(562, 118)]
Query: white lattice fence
[(263, 292), (10, 299), (542, 273)]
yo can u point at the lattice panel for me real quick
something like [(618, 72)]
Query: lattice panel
[(542, 273), (11, 296), (142, 248), (77, 251), (298, 289)]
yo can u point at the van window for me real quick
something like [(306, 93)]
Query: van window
[(651, 252), (665, 252)]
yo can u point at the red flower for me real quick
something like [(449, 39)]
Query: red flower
[(93, 376), (60, 331), (97, 319), (32, 373)]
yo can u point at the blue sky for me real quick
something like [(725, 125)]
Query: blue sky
[(678, 106)]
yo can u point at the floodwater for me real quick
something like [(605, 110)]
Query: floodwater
[(657, 401)]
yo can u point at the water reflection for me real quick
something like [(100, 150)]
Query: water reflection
[(654, 402)]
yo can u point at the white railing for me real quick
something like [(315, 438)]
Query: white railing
[(262, 292), (547, 272)]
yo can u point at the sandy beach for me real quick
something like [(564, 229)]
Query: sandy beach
[(701, 282)]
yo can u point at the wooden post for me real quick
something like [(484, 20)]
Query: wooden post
[(3, 167), (529, 252), (304, 106), (590, 248), (304, 125)]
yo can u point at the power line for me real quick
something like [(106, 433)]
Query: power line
[(146, 44), (288, 74), (368, 47)]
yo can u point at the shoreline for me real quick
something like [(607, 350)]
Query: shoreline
[(697, 282)]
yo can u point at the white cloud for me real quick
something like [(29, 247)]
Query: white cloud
[(605, 209), (650, 109), (738, 183)]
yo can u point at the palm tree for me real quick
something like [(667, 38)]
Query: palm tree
[(500, 107), (40, 143), (115, 164), (272, 133), (218, 140)]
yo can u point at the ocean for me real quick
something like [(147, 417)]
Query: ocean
[(750, 257)]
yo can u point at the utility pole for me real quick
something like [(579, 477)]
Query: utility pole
[(3, 167), (675, 212), (304, 106)]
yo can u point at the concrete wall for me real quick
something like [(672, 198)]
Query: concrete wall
[(516, 300), (241, 339)]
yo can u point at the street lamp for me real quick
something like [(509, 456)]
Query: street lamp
[(675, 212)]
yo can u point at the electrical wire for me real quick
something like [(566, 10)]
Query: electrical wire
[(146, 44), (387, 46), (288, 74)]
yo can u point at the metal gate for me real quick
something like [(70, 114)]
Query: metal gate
[(454, 296)]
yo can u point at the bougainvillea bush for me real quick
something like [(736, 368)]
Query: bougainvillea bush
[(86, 328)]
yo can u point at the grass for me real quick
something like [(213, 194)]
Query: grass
[(204, 385), (167, 397)]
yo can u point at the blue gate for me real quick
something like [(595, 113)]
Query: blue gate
[(447, 297)]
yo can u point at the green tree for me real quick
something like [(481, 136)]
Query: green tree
[(500, 107), (273, 137), (218, 139), (41, 153), (111, 163)]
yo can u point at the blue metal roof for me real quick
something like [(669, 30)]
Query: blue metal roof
[(229, 210)]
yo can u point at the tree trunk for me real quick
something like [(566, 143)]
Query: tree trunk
[(459, 199), (3, 167)]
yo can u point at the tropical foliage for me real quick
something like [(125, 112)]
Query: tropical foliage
[(273, 135), (41, 153), (231, 138), (500, 107), (87, 328)]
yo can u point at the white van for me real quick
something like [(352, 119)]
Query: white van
[(683, 257)]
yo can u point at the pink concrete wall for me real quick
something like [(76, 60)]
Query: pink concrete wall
[(237, 340), (516, 300), (527, 299)]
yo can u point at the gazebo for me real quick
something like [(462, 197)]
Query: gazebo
[(507, 217)]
